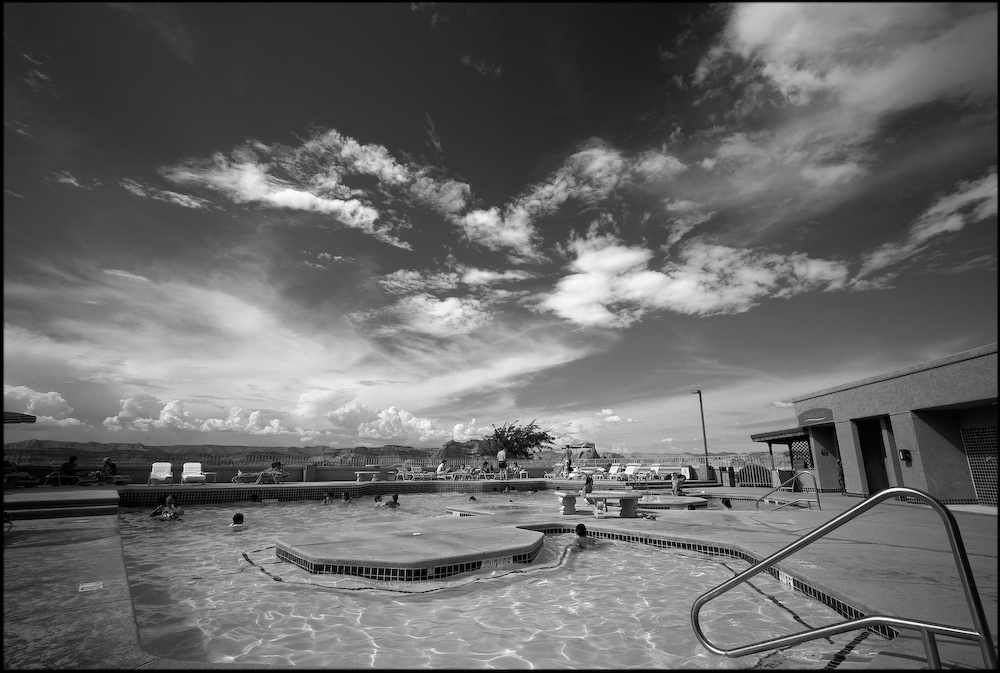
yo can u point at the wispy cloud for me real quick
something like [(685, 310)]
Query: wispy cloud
[(185, 200), (482, 66), (969, 203)]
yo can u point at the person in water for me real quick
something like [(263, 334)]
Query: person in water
[(237, 523), (582, 541), (346, 497), (391, 504), (328, 498), (168, 509)]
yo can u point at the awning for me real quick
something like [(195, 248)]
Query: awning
[(14, 417)]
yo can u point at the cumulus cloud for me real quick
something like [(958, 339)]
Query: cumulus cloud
[(611, 418), (611, 286), (970, 202), (49, 408), (145, 413), (351, 416), (401, 426), (464, 432)]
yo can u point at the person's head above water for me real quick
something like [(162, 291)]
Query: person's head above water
[(346, 496), (581, 530), (238, 519)]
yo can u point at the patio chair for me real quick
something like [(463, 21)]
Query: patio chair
[(162, 473), (420, 473), (616, 472), (403, 473), (192, 474)]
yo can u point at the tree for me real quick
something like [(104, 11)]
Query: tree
[(517, 440)]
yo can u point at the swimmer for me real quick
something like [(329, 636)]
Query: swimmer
[(582, 541), (392, 503), (328, 498), (346, 497), (472, 498), (237, 523), (168, 509)]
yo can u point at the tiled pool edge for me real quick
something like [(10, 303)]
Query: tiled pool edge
[(839, 605)]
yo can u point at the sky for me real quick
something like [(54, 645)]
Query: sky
[(368, 224)]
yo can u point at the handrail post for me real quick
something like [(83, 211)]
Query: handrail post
[(931, 650)]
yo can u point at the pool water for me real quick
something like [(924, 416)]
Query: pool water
[(205, 594)]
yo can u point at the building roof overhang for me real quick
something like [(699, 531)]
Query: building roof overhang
[(781, 436)]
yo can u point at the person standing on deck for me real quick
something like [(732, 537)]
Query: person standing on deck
[(568, 461), (502, 463)]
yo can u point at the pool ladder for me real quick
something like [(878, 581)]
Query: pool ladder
[(792, 502), (980, 633)]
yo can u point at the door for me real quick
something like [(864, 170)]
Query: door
[(873, 453)]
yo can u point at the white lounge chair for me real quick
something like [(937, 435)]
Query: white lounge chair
[(162, 473), (192, 474)]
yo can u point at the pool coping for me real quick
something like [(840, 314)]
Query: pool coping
[(116, 607)]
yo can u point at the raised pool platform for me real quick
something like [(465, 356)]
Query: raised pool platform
[(418, 550)]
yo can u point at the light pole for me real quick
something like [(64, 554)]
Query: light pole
[(704, 436)]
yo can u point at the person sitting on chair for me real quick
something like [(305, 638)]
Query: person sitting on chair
[(108, 470), (443, 468), (69, 468)]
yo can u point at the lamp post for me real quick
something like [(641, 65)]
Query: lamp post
[(704, 436)]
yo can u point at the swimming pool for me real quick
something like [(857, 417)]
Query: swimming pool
[(619, 605)]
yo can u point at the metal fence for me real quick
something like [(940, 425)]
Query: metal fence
[(750, 464)]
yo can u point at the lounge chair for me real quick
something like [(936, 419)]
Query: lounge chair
[(192, 474), (403, 473), (420, 473), (162, 473), (262, 477)]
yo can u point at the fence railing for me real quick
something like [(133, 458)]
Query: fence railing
[(759, 464)]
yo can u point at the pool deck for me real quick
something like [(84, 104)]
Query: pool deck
[(893, 560)]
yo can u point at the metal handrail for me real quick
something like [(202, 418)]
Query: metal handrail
[(981, 633), (785, 483)]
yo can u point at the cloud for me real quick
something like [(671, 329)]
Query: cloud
[(482, 67), (49, 408), (827, 79), (970, 202), (611, 418), (185, 200), (316, 177), (429, 315), (464, 432), (589, 176), (611, 285), (163, 19), (401, 426), (124, 274), (432, 134)]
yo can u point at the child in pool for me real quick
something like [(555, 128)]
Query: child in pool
[(582, 541), (237, 523)]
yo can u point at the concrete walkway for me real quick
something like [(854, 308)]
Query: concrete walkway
[(893, 560)]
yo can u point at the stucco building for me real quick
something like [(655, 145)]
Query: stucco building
[(931, 427)]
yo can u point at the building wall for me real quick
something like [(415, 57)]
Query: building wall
[(919, 414)]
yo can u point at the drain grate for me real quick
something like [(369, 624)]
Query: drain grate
[(91, 586)]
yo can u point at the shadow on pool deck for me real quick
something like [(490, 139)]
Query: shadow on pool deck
[(893, 560)]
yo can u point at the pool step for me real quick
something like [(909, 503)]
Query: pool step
[(52, 503)]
